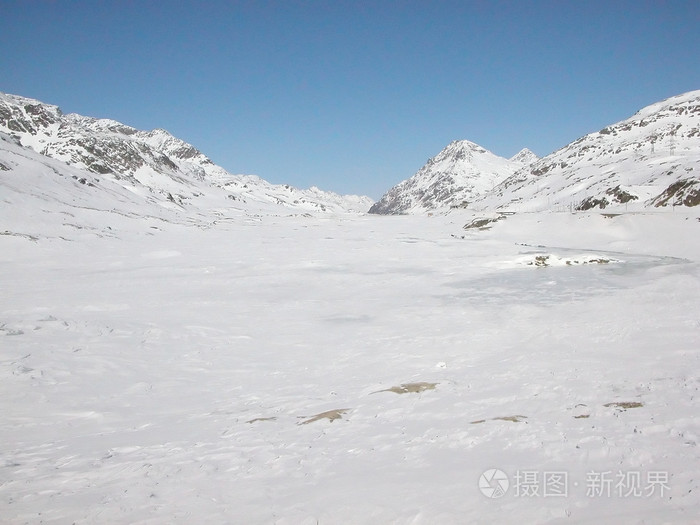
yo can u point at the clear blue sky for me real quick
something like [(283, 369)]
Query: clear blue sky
[(351, 96)]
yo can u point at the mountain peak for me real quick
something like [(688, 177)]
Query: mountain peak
[(25, 115), (461, 172), (460, 149), (465, 144), (524, 156)]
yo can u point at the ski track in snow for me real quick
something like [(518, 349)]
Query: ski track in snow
[(351, 369)]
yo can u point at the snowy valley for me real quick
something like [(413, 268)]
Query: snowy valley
[(181, 345)]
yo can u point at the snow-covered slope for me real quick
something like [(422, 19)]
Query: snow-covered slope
[(459, 173), (649, 160), (153, 164), (45, 197)]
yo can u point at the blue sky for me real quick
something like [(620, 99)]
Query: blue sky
[(351, 96)]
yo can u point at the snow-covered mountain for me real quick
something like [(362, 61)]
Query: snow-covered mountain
[(153, 164), (649, 160), (524, 157), (459, 173), (45, 197)]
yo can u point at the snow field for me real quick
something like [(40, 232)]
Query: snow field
[(180, 373)]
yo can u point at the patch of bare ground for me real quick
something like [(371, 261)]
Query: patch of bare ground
[(330, 415), (512, 419), (483, 223), (547, 260), (624, 405), (410, 388), (580, 410), (257, 419)]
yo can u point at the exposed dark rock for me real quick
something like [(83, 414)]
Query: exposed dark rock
[(592, 202), (482, 223), (620, 195), (685, 192)]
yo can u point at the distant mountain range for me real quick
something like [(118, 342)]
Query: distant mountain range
[(649, 160), (153, 165)]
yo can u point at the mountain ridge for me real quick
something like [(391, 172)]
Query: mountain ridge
[(648, 160), (153, 163)]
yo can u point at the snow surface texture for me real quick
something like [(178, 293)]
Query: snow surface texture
[(258, 368), (647, 161), (153, 164)]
